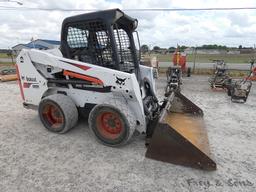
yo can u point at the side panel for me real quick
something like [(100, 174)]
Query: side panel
[(32, 83), (119, 85)]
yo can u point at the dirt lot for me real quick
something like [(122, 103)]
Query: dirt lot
[(33, 159)]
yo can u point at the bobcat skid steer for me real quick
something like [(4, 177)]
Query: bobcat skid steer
[(97, 72)]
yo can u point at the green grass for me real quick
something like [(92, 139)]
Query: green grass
[(6, 63), (228, 58), (3, 55), (204, 58)]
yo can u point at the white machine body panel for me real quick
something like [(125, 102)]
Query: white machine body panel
[(37, 67)]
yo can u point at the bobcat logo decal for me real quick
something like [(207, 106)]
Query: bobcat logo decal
[(120, 81)]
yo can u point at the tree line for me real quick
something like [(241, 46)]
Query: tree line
[(145, 48)]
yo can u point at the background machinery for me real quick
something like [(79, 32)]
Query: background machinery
[(8, 74), (220, 77), (238, 90), (97, 72), (252, 75), (174, 75), (175, 72), (180, 59)]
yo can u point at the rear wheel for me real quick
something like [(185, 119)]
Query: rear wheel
[(110, 126), (58, 113)]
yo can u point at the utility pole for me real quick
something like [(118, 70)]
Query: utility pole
[(194, 60), (10, 54)]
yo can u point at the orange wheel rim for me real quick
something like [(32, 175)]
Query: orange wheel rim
[(53, 116), (110, 125)]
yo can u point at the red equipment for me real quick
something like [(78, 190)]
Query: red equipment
[(252, 75), (180, 58)]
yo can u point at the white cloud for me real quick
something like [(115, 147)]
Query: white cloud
[(155, 28)]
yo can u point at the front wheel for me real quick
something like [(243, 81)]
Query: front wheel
[(111, 126)]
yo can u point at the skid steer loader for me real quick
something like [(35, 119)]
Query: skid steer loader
[(97, 72)]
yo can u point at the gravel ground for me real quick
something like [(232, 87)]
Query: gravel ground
[(34, 159)]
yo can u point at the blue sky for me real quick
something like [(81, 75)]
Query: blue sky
[(164, 29)]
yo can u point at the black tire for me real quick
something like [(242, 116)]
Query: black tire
[(229, 92), (58, 113), (110, 126), (189, 72)]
